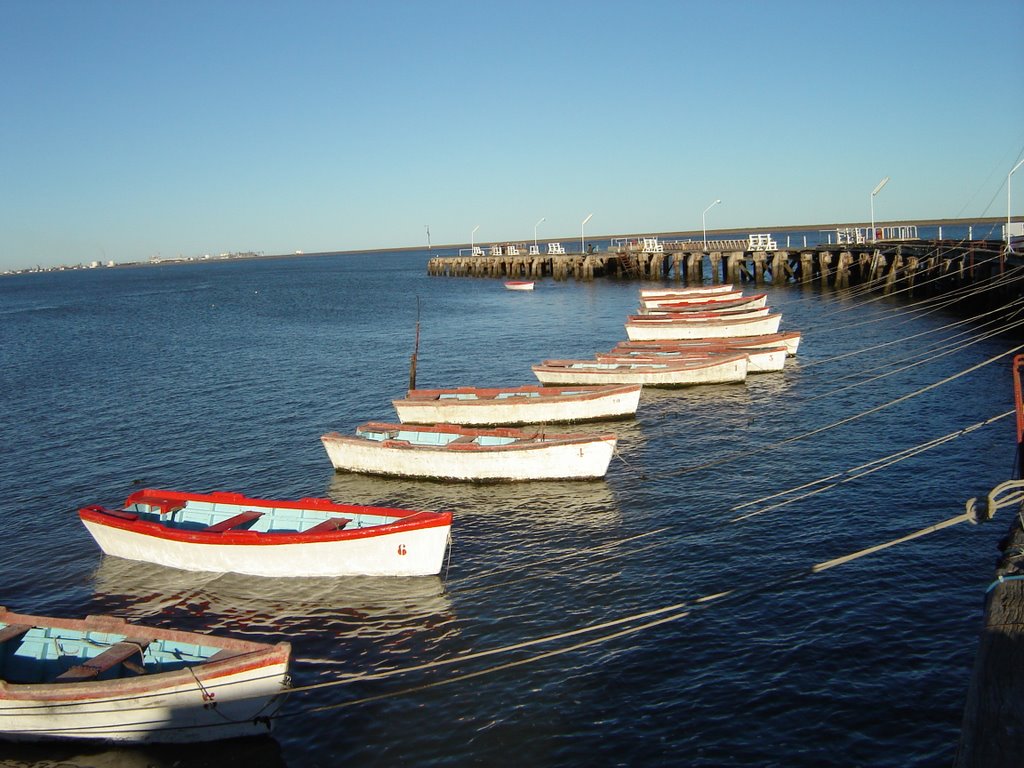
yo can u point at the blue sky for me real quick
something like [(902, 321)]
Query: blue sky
[(129, 129)]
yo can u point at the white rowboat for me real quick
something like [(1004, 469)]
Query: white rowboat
[(711, 329), (516, 405), (451, 452), (788, 339), (770, 360), (230, 533), (103, 679), (727, 369)]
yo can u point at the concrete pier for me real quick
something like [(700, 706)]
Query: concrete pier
[(917, 267)]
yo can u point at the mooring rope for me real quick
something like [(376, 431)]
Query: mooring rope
[(835, 424), (675, 612), (964, 322), (613, 549), (863, 470), (923, 361)]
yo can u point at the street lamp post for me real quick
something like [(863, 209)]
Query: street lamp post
[(589, 217), (703, 222), (875, 191), (542, 219), (472, 243), (1018, 165)]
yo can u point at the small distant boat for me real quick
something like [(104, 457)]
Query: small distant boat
[(788, 339), (724, 369), (710, 329), (231, 533), (103, 679), (517, 405), (519, 285), (451, 452), (767, 360)]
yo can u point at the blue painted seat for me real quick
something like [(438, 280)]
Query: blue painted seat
[(119, 653)]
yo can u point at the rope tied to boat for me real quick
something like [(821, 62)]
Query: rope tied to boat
[(1006, 494), (639, 472)]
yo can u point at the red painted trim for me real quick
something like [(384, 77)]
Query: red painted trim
[(455, 429), (1018, 395), (411, 520), (488, 396), (253, 655)]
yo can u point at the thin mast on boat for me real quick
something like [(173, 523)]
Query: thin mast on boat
[(415, 349)]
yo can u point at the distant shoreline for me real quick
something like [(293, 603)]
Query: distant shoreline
[(689, 234)]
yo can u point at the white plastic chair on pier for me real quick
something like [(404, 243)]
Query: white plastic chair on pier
[(511, 250), (555, 248), (534, 250), (478, 251), (495, 250), (651, 245), (763, 242)]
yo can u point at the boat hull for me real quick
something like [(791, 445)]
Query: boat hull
[(593, 405), (758, 360), (575, 460), (236, 696), (706, 290), (651, 331), (729, 370), (704, 304), (788, 339), (418, 552), (171, 714)]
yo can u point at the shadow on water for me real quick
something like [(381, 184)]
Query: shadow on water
[(250, 753)]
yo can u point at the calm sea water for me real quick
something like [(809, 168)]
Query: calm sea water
[(224, 375)]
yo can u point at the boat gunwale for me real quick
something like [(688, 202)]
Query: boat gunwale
[(411, 520), (526, 441), (559, 394), (662, 365)]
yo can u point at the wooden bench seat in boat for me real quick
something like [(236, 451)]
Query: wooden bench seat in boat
[(118, 653), (242, 518), (13, 632), (332, 524)]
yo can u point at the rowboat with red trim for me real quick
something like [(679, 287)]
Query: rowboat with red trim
[(231, 533), (768, 360), (788, 339), (519, 285), (653, 302), (695, 316), (103, 679), (702, 290), (725, 369), (709, 329), (703, 304), (480, 406), (451, 452)]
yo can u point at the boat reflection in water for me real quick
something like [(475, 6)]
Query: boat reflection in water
[(358, 622), (542, 504), (261, 752)]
